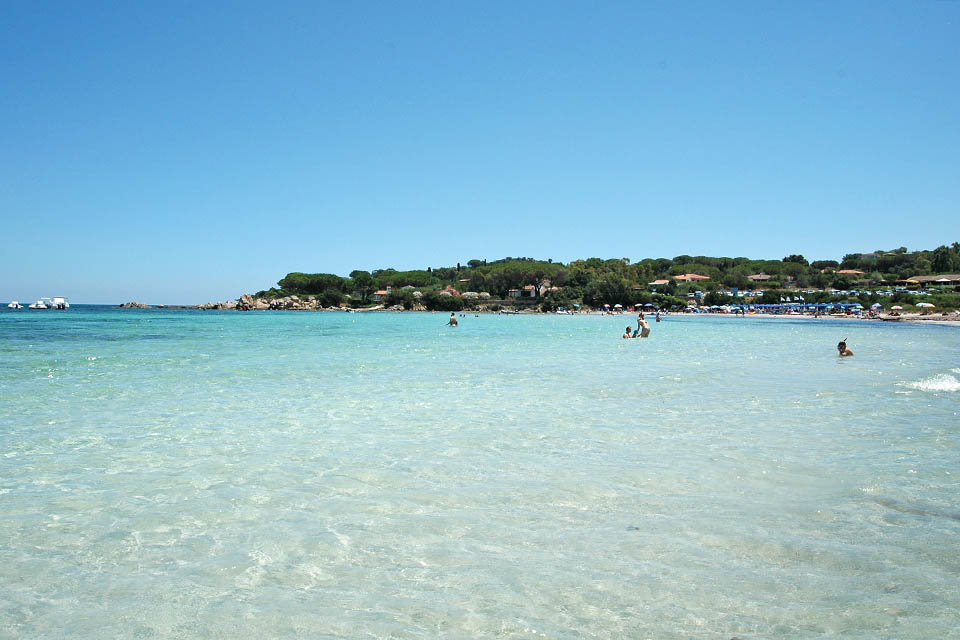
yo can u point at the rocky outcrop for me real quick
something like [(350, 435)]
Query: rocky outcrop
[(248, 302), (134, 305), (217, 305), (479, 302)]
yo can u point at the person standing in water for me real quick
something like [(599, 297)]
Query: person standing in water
[(643, 327), (843, 349), (453, 319)]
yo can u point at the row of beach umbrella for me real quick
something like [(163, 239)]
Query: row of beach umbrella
[(793, 305)]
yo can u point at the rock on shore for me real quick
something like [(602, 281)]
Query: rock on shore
[(249, 302)]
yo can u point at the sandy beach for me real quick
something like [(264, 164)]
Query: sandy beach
[(934, 318)]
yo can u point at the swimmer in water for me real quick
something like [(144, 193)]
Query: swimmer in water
[(842, 348), (626, 333), (453, 320)]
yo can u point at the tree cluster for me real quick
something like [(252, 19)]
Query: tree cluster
[(596, 281)]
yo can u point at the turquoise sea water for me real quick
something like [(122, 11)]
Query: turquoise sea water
[(184, 474)]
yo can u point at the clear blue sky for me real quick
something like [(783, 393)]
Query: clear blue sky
[(180, 152)]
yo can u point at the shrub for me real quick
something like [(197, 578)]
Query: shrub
[(903, 297), (433, 301), (401, 297), (331, 298)]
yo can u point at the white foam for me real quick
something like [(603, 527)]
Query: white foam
[(939, 382)]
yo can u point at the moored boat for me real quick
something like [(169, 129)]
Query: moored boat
[(58, 302), (14, 305)]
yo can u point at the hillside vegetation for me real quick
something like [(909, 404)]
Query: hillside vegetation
[(594, 282)]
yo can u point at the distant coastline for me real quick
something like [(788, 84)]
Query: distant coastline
[(892, 281), (897, 284)]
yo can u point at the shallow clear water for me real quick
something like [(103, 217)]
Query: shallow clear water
[(184, 474)]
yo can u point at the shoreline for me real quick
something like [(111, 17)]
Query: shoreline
[(939, 319), (294, 303)]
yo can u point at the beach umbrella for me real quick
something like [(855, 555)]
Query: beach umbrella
[(618, 306), (896, 307), (925, 305), (875, 305)]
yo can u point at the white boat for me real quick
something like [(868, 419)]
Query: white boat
[(14, 305), (60, 302), (40, 304)]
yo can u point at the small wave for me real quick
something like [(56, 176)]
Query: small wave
[(939, 382)]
